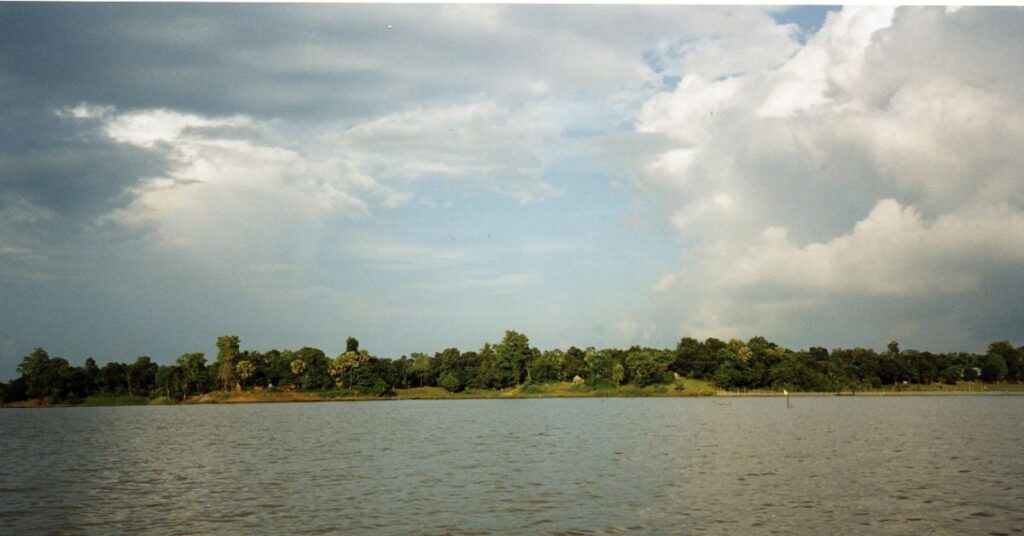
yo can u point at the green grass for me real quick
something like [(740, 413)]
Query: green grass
[(563, 390), (960, 387), (682, 388), (116, 400)]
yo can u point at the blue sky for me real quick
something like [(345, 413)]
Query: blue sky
[(423, 177)]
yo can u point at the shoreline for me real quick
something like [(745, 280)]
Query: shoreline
[(520, 393)]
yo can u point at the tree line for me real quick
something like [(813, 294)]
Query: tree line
[(732, 365)]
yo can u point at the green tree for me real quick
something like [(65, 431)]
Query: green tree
[(92, 375), (114, 378), (278, 366), (512, 355), (402, 369), (422, 369), (993, 368), (227, 359), (600, 365), (38, 372), (168, 380), (1011, 357), (488, 374), (451, 382), (352, 344), (732, 372), (687, 355), (344, 368), (193, 372), (141, 376), (951, 374), (574, 363), (799, 371), (618, 373), (547, 367), (644, 366)]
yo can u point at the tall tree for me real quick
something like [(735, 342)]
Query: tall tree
[(298, 366), (141, 375), (1012, 357), (512, 355), (227, 360), (36, 369), (993, 368)]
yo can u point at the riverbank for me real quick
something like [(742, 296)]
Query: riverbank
[(684, 388)]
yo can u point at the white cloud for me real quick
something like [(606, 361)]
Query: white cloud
[(481, 142), (148, 127), (770, 176), (686, 113), (892, 252), (635, 331), (231, 195), (831, 60), (84, 110)]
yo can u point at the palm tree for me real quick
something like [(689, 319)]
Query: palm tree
[(298, 367), (245, 370)]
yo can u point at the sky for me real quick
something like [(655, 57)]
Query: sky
[(422, 177)]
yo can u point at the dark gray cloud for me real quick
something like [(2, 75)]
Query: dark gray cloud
[(65, 168)]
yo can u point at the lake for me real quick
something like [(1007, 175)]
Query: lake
[(868, 465)]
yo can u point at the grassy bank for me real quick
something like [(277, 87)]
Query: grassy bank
[(123, 400), (684, 388)]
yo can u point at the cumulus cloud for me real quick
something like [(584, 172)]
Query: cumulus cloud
[(830, 62), (227, 194), (869, 164), (231, 187), (892, 252)]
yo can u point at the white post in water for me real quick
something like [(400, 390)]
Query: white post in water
[(785, 392)]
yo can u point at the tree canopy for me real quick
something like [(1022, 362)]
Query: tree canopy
[(734, 365)]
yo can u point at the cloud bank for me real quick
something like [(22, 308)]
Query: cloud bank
[(875, 164)]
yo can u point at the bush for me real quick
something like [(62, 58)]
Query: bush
[(450, 382), (533, 389), (950, 375)]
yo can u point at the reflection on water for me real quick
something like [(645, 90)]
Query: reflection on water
[(874, 465)]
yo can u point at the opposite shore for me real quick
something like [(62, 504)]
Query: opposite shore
[(685, 388)]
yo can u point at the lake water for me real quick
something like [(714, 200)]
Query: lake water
[(865, 465)]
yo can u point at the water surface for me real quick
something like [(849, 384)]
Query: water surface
[(869, 465)]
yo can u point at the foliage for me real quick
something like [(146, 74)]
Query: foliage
[(512, 355), (495, 369), (227, 358), (245, 370)]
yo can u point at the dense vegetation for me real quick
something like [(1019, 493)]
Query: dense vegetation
[(733, 365)]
